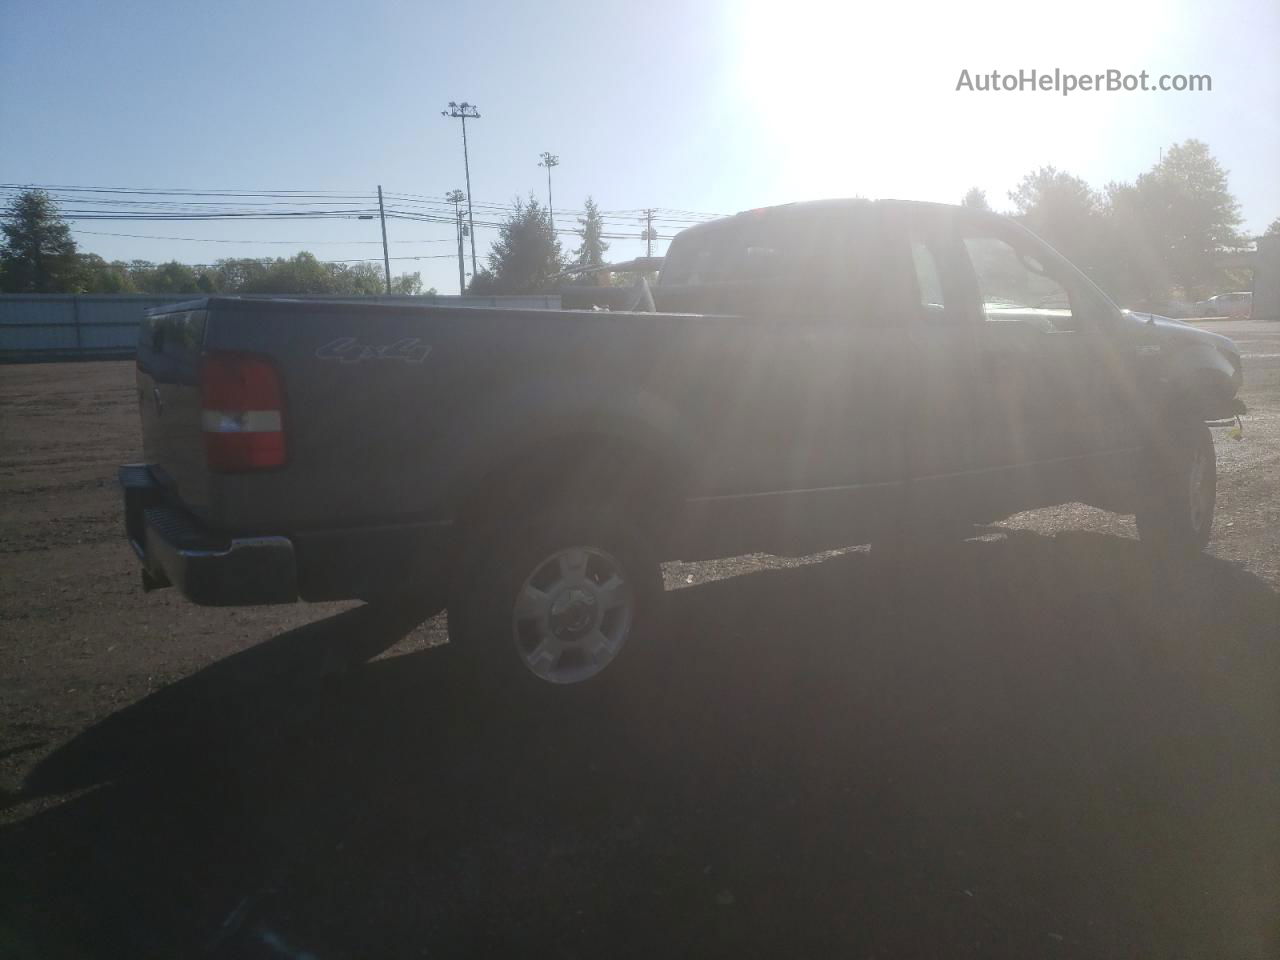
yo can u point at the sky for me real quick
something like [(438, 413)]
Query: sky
[(703, 106)]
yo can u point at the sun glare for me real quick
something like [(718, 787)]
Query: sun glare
[(839, 100)]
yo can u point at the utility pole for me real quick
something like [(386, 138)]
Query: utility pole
[(456, 197), (386, 257), (550, 160), (648, 232), (461, 111), (462, 273)]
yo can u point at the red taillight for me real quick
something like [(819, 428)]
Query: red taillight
[(242, 413)]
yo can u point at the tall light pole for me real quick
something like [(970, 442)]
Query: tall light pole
[(463, 111), (456, 197), (550, 160)]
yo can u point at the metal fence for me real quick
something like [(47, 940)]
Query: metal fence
[(56, 326)]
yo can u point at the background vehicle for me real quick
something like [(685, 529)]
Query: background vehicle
[(1178, 309), (1239, 304), (823, 374)]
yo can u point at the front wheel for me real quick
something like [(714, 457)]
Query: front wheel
[(1179, 492), (558, 600)]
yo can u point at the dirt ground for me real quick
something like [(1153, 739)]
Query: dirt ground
[(1034, 747)]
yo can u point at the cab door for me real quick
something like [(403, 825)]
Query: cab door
[(939, 367), (1044, 404), (802, 410)]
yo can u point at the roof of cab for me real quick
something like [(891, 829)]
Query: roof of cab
[(816, 207)]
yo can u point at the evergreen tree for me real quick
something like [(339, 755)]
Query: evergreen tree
[(526, 257), (591, 251)]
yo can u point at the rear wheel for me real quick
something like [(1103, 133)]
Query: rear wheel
[(557, 601), (1179, 492)]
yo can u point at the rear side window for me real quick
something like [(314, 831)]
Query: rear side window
[(739, 251), (928, 279), (800, 263)]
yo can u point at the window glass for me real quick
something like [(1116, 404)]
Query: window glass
[(928, 280), (793, 263), (1015, 287), (740, 250)]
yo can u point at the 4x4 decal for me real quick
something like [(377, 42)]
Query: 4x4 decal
[(350, 350)]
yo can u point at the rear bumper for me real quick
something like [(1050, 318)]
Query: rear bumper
[(206, 567)]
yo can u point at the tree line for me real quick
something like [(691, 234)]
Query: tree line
[(39, 255), (1145, 243), (527, 256)]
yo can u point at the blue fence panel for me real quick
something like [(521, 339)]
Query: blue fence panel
[(23, 338), (36, 310), (63, 326)]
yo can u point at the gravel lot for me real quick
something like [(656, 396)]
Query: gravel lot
[(1034, 747)]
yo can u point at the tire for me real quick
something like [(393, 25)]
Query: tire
[(1178, 492), (557, 601)]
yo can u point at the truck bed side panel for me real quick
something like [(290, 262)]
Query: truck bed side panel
[(389, 414)]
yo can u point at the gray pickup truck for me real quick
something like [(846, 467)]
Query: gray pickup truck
[(816, 375)]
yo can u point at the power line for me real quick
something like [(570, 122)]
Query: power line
[(261, 203), (174, 191), (400, 215), (349, 203), (431, 256), (316, 243), (249, 215), (609, 216), (155, 205), (425, 256), (191, 204)]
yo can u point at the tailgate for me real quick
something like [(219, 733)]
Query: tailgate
[(170, 344)]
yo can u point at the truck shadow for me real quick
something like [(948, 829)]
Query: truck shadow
[(1029, 746)]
